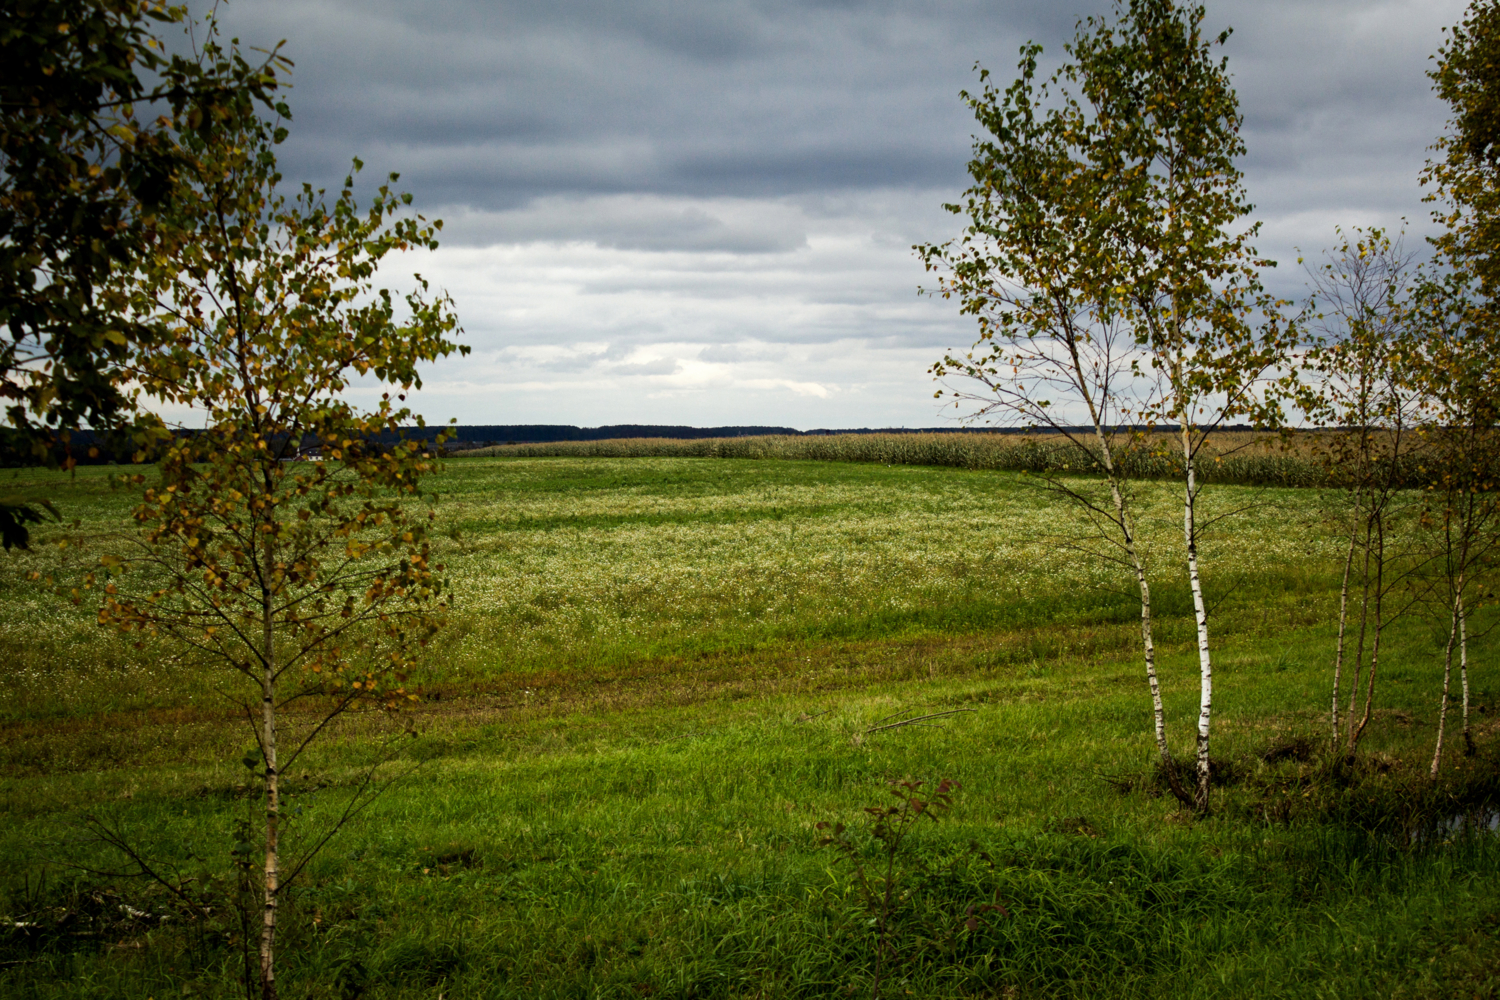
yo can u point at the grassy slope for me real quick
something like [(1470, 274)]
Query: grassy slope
[(618, 786)]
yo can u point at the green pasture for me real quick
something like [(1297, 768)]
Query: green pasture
[(662, 675)]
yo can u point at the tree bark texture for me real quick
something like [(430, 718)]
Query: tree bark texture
[(1148, 645), (1200, 613), (1338, 655), (1437, 752), (273, 789), (1463, 671), (1356, 732), (1364, 623), (1117, 495)]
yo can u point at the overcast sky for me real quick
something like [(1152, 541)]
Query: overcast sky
[(701, 212)]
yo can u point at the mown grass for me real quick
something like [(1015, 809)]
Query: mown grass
[(661, 679)]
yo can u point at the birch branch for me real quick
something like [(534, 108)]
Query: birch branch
[(914, 721)]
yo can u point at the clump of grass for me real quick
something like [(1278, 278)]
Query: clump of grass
[(1157, 780), (1377, 795), (1295, 746)]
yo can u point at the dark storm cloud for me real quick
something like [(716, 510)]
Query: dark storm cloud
[(490, 105), (631, 223)]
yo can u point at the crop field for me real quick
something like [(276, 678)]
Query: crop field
[(661, 695), (1241, 457)]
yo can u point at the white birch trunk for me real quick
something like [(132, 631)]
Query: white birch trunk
[(1338, 656), (1364, 622), (1359, 731), (1148, 645), (1463, 671), (1437, 752), (1200, 612), (273, 798)]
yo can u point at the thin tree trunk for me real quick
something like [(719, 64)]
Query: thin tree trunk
[(1338, 656), (1200, 611), (1437, 753), (1354, 737), (1463, 671), (273, 793), (1148, 645), (1364, 721), (1364, 621), (1158, 713)]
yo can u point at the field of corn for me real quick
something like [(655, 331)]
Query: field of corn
[(662, 694), (1239, 457)]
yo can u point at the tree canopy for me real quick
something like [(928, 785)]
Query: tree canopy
[(93, 113), (1466, 171)]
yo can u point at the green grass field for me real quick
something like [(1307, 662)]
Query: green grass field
[(661, 676)]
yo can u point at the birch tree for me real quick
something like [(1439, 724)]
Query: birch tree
[(1213, 346), (1037, 266), (1367, 360), (1100, 249), (1464, 175), (1460, 374), (304, 577)]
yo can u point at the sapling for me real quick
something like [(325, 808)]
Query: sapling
[(1102, 247), (1366, 363), (284, 540), (1459, 374)]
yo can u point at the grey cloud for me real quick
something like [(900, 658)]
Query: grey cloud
[(722, 354), (661, 366), (493, 105), (568, 364), (740, 353), (608, 361), (630, 223), (739, 182)]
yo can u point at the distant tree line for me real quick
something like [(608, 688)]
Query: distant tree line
[(85, 446), (488, 436)]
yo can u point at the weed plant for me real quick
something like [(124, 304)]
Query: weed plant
[(878, 880)]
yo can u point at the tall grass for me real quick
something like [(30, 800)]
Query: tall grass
[(1240, 458)]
